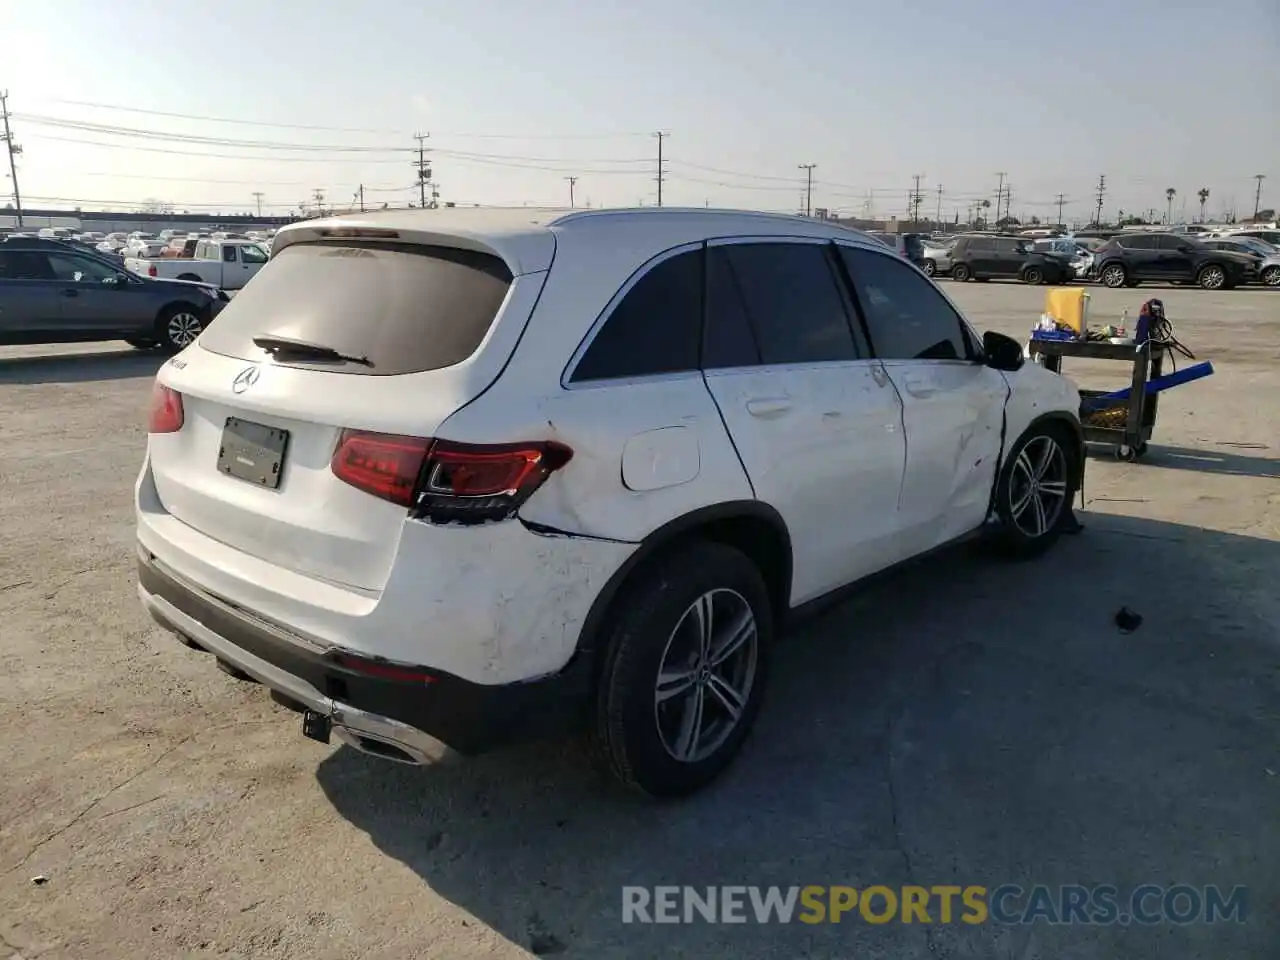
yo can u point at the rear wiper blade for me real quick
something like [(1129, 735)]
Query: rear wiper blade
[(302, 350)]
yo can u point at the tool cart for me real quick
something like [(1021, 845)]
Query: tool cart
[(1124, 418)]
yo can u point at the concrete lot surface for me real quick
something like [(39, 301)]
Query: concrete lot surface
[(965, 722)]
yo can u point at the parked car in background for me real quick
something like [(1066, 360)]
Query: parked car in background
[(937, 258), (978, 257), (1267, 235), (1269, 270), (1134, 258), (480, 477), (1249, 246), (909, 246), (1081, 257), (137, 247), (225, 264), (52, 292)]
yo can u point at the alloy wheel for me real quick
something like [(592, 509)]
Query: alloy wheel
[(183, 329), (706, 675), (1038, 486), (1271, 276), (1212, 278), (1113, 276)]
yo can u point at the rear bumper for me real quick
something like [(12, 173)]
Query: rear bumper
[(394, 719)]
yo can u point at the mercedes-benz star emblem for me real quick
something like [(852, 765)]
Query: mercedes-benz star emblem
[(245, 379)]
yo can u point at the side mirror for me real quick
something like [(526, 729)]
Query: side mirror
[(1001, 352)]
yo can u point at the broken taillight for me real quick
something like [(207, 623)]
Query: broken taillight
[(443, 481)]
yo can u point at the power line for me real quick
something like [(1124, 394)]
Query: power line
[(392, 133), (13, 150)]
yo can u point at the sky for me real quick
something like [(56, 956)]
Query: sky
[(201, 105)]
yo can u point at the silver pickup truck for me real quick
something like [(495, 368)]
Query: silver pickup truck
[(225, 264)]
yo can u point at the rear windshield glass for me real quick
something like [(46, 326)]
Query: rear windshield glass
[(404, 307)]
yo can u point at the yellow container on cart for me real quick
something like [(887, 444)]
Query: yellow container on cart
[(1069, 306)]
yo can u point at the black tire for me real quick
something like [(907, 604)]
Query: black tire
[(648, 625), (1212, 276), (140, 343), (961, 272), (930, 268), (178, 326), (1113, 275), (1018, 536), (1271, 276), (1033, 275)]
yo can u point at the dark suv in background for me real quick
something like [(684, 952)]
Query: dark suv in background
[(55, 292), (1133, 258), (980, 257)]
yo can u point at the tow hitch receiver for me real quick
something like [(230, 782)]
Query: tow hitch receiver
[(316, 726)]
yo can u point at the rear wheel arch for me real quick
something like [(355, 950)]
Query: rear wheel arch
[(753, 528)]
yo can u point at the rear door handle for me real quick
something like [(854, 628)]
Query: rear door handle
[(768, 407)]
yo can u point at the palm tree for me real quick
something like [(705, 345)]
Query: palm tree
[(986, 205), (1169, 194), (1203, 194)]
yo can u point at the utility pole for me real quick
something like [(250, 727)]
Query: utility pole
[(1102, 192), (318, 196), (999, 192), (915, 199), (258, 195), (360, 193), (661, 135), (14, 150), (937, 217), (1061, 201), (572, 181), (1257, 196), (424, 171), (808, 187)]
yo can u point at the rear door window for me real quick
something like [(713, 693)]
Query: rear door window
[(25, 265), (407, 308), (654, 328)]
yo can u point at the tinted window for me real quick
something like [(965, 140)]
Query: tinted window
[(655, 327), (1137, 243), (73, 269), (229, 254), (907, 317), (24, 265), (406, 307), (796, 310), (728, 340), (982, 244), (251, 254)]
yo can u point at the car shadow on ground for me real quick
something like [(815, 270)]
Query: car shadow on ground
[(967, 721), (80, 367)]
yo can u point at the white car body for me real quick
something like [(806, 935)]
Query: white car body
[(857, 463)]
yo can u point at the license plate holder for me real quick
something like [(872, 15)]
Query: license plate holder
[(253, 452)]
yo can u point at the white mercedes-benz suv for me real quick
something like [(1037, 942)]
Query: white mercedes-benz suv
[(465, 476)]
